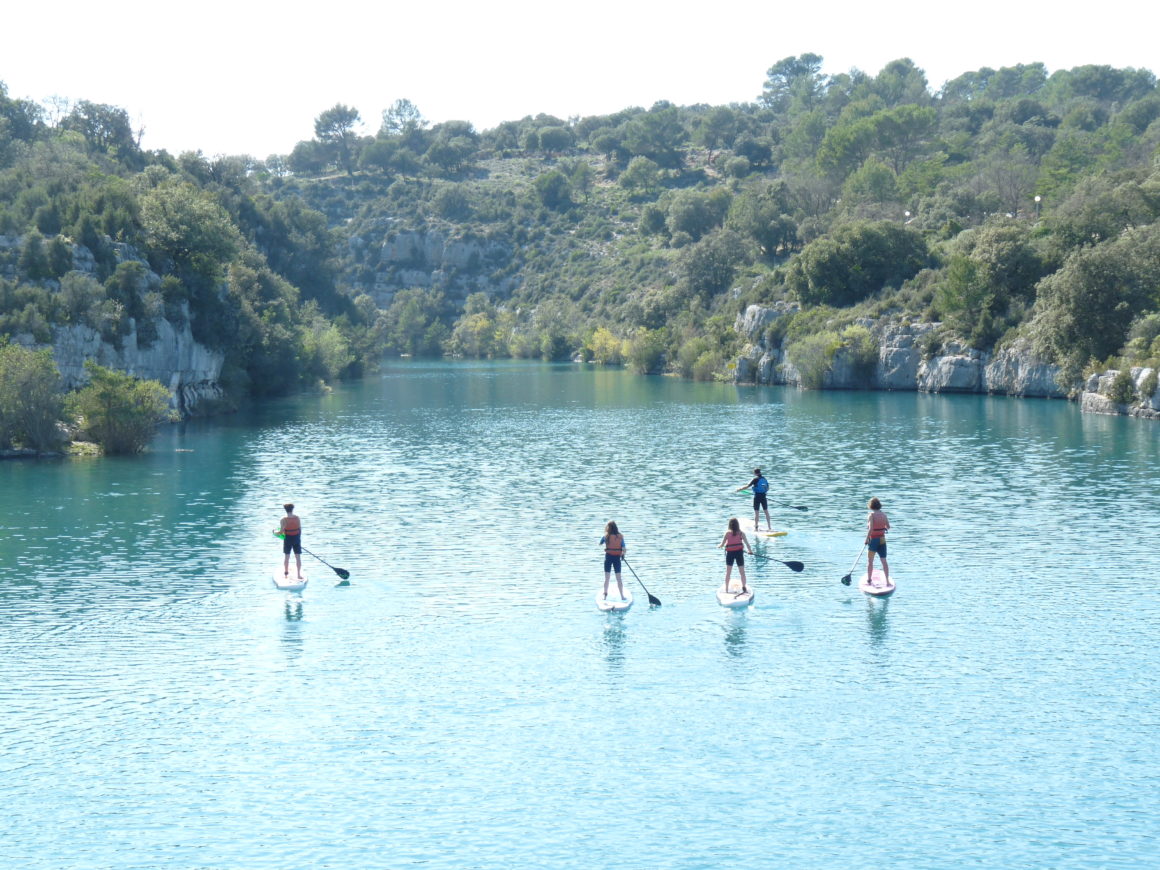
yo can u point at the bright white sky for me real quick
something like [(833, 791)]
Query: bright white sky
[(246, 77)]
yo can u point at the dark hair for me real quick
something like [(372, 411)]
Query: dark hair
[(757, 471), (734, 526), (289, 507), (611, 528), (875, 504)]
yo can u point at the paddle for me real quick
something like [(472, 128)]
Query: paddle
[(793, 564), (341, 572), (652, 599), (846, 579), (796, 507)]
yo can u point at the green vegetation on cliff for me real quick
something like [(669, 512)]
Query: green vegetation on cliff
[(1012, 202)]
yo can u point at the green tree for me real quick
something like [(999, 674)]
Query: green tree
[(793, 83), (335, 128), (31, 401), (1087, 306), (553, 189), (401, 118), (855, 261), (118, 411)]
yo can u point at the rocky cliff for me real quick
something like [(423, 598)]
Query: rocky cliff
[(910, 357), (188, 369), (458, 265)]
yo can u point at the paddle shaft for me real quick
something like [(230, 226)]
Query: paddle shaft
[(846, 578), (796, 507), (341, 572), (793, 564), (652, 599)]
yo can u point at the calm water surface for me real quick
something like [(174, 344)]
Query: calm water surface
[(463, 704)]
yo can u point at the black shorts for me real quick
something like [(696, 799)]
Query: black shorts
[(735, 557), (611, 563), (759, 501), (292, 544)]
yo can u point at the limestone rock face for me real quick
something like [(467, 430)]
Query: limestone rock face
[(458, 266), (190, 370), (1017, 371), (955, 368)]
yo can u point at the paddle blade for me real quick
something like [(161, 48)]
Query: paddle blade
[(795, 566), (846, 580), (342, 572), (654, 601), (798, 507)]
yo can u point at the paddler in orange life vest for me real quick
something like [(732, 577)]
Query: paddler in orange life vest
[(735, 544), (876, 526), (291, 527), (613, 542)]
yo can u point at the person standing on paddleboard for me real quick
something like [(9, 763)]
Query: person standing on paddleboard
[(735, 543), (290, 527), (876, 526), (613, 542), (759, 486)]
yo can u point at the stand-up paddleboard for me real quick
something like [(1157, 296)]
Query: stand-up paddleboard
[(733, 597), (878, 587), (613, 604), (289, 582), (766, 533)]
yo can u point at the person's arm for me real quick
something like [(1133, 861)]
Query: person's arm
[(723, 537), (745, 541)]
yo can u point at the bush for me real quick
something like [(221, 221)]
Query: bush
[(646, 351), (1123, 389), (118, 411), (812, 356), (1148, 386), (31, 402)]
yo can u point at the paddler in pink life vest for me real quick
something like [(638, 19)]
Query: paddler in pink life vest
[(759, 486), (735, 543), (613, 543), (290, 527), (876, 526)]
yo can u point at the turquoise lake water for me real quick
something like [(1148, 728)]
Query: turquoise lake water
[(463, 704)]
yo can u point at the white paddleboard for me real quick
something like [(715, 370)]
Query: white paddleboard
[(733, 597), (613, 604), (289, 583), (878, 587)]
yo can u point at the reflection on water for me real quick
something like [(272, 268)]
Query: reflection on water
[(877, 624), (613, 639), (736, 630), (145, 655)]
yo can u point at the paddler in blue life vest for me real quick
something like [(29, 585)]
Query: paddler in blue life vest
[(759, 486), (290, 528), (613, 543), (876, 526)]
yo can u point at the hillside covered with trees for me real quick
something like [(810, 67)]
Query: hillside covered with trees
[(1011, 203)]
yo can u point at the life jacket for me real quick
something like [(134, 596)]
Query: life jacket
[(291, 526), (614, 545), (762, 486), (877, 531), (734, 542)]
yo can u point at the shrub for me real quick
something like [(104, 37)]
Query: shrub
[(812, 356), (1148, 385), (1123, 390), (118, 411), (646, 351), (31, 402)]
